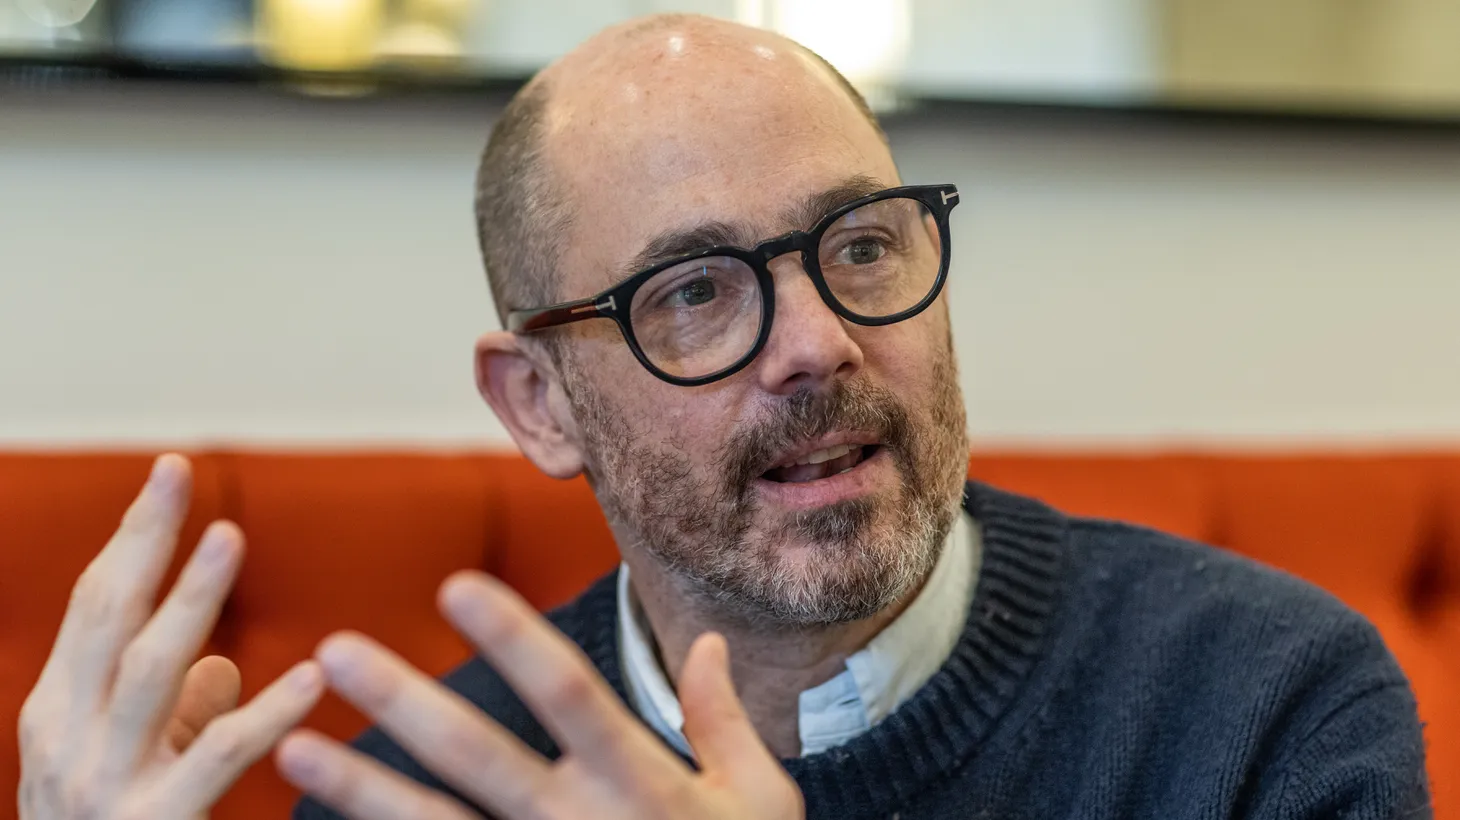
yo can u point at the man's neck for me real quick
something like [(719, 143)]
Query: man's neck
[(771, 668)]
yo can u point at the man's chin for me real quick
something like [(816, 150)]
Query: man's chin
[(814, 586), (834, 528), (820, 567)]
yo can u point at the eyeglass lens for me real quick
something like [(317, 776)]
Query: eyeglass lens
[(702, 316)]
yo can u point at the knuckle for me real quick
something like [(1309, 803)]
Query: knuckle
[(672, 797), (90, 588), (553, 802), (83, 802), (423, 805), (142, 666), (567, 688), (98, 601), (459, 747), (142, 515), (90, 583), (342, 786), (197, 589), (55, 783), (147, 807), (45, 765), (38, 773), (30, 723), (225, 741)]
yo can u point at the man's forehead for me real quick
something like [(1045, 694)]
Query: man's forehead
[(679, 127)]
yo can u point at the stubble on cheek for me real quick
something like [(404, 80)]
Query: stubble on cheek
[(695, 513)]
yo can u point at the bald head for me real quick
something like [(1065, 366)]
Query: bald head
[(625, 115)]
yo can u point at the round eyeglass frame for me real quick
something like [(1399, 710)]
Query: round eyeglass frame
[(615, 302)]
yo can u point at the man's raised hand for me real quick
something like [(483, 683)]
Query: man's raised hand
[(122, 724), (611, 767)]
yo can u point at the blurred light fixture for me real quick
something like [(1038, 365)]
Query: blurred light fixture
[(867, 40), (426, 33), (418, 42), (320, 35), (57, 13), (449, 14)]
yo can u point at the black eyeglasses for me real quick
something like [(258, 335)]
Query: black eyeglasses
[(692, 320)]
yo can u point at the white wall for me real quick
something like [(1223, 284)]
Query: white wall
[(186, 265)]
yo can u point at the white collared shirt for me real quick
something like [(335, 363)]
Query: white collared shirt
[(878, 678)]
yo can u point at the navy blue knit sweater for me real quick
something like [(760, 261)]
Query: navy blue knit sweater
[(1105, 671)]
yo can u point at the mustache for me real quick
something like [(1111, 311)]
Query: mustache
[(808, 414)]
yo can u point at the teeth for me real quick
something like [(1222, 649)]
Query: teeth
[(826, 455)]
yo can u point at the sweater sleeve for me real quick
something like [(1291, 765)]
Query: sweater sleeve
[(1358, 753)]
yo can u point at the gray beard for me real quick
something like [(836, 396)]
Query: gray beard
[(697, 528)]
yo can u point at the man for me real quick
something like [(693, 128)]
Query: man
[(727, 311)]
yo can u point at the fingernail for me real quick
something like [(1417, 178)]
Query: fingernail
[(301, 766), (303, 678), (167, 472), (464, 599), (215, 548), (158, 476), (457, 597), (340, 657)]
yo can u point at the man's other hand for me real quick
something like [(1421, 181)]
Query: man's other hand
[(122, 725), (612, 766)]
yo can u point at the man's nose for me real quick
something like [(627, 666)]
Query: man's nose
[(809, 345)]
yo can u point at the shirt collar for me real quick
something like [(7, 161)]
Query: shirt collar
[(877, 679)]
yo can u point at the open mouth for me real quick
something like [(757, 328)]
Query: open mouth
[(820, 464)]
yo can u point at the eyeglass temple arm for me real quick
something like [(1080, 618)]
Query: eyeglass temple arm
[(527, 321)]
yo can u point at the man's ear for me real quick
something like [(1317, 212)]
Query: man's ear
[(522, 387)]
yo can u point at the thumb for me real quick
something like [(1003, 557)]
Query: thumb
[(210, 688), (715, 722)]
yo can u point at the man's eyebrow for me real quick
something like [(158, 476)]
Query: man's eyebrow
[(815, 207), (677, 242)]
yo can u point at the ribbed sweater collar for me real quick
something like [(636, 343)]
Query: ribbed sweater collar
[(942, 726)]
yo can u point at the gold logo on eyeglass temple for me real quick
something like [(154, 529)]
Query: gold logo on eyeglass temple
[(947, 195)]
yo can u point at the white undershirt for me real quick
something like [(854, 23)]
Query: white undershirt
[(878, 678)]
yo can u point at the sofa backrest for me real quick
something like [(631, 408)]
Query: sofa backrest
[(361, 541)]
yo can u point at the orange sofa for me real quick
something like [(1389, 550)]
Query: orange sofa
[(361, 540)]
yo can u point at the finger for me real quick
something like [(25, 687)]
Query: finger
[(724, 740), (152, 666), (553, 677), (230, 744), (446, 733), (358, 786), (210, 688), (114, 594)]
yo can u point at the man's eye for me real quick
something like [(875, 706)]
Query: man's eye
[(863, 251), (695, 293)]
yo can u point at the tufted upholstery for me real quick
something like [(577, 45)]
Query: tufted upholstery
[(360, 540)]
